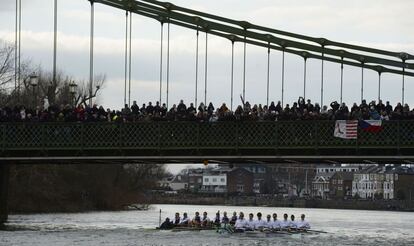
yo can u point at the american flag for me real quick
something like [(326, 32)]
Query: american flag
[(346, 129)]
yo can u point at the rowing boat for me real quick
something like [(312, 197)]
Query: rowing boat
[(230, 230)]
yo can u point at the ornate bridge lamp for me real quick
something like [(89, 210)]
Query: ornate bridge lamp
[(34, 81), (72, 90)]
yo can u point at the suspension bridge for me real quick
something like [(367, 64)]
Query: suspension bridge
[(177, 142)]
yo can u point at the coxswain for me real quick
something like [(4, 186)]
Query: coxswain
[(225, 220), (302, 224), (285, 223), (177, 219), (205, 221), (259, 224), (185, 220), (275, 223), (292, 224), (240, 224), (233, 219), (250, 223), (197, 219), (166, 225)]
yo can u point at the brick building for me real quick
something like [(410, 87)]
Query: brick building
[(240, 180)]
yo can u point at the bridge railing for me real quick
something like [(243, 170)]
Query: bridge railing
[(235, 136)]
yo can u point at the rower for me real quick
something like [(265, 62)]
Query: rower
[(292, 224), (285, 223), (259, 223), (250, 223), (225, 220), (233, 218), (275, 223), (177, 219), (197, 219), (241, 223), (185, 220), (268, 222), (217, 219), (205, 221), (302, 224)]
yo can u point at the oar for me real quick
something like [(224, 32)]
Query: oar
[(317, 231), (159, 222)]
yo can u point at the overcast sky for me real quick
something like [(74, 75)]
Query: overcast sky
[(377, 23)]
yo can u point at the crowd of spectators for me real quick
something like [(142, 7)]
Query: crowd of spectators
[(299, 110)]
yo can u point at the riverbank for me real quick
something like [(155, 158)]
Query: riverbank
[(267, 201)]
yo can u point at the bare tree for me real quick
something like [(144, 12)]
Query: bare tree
[(57, 91), (6, 65)]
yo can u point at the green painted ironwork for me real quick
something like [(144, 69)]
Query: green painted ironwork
[(241, 31), (193, 138)]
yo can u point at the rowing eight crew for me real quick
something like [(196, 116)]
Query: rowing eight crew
[(239, 222)]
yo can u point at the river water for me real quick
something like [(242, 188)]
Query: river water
[(343, 227)]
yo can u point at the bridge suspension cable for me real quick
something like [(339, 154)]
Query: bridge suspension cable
[(342, 80), (91, 52), (283, 75), (168, 62), (268, 76), (379, 86), (130, 58), (304, 76), (244, 68), (196, 70), (362, 81), (232, 75), (205, 71), (322, 73), (54, 40), (161, 57), (126, 56)]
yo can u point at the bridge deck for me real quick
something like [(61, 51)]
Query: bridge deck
[(301, 141)]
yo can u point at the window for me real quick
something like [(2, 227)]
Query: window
[(222, 180), (240, 188), (199, 180), (339, 187), (205, 179), (179, 178), (340, 181), (214, 179)]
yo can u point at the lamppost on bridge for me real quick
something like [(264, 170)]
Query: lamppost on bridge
[(34, 80), (72, 90)]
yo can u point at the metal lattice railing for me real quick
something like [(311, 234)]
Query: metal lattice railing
[(234, 136)]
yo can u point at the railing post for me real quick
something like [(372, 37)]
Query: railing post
[(399, 137), (237, 137), (82, 134), (198, 138), (277, 137), (316, 137), (43, 136), (159, 136)]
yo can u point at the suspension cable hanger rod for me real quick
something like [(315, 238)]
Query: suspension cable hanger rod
[(130, 59), (126, 57)]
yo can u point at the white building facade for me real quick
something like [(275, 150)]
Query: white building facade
[(215, 183)]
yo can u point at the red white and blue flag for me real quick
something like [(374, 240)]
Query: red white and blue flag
[(371, 125), (346, 129)]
